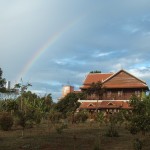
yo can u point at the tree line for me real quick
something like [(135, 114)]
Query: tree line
[(29, 109)]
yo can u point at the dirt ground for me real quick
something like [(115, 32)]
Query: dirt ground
[(74, 137)]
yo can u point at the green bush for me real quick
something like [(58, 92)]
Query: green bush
[(100, 118), (97, 145), (81, 117), (113, 125), (111, 131), (138, 144), (60, 128), (21, 119), (55, 116), (6, 121), (133, 130), (38, 117)]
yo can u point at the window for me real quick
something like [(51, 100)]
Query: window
[(137, 93), (90, 105), (120, 93), (110, 103), (108, 93)]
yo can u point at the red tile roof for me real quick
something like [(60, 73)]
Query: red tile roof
[(121, 79), (105, 105), (124, 74), (125, 86), (114, 104), (95, 77)]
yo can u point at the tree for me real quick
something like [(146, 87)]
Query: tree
[(22, 113), (47, 102), (2, 82), (9, 105), (140, 118), (100, 118), (139, 121), (97, 89), (95, 71), (69, 103), (6, 121), (81, 116), (23, 88), (38, 105)]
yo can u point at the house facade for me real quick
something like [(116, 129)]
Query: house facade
[(117, 91)]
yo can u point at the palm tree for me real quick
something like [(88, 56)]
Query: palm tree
[(22, 113), (97, 89), (22, 88)]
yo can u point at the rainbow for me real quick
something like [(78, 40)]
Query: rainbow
[(52, 39)]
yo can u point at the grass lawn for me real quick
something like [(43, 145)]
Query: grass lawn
[(75, 137)]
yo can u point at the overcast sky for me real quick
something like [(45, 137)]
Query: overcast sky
[(75, 37)]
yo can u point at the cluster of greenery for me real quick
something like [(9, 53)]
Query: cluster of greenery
[(95, 71), (28, 109), (2, 82), (69, 103), (25, 110), (33, 109), (96, 89), (140, 117)]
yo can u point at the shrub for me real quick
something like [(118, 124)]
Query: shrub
[(100, 118), (6, 121), (55, 116), (97, 145), (81, 117), (21, 119), (112, 128), (133, 129), (138, 144), (111, 131), (60, 128), (37, 117)]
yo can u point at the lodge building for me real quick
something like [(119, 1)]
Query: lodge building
[(117, 91)]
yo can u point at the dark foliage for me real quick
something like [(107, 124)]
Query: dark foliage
[(2, 82), (96, 89), (95, 71), (6, 121), (55, 116), (69, 103), (81, 117), (140, 117)]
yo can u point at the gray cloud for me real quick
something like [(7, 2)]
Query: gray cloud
[(98, 35)]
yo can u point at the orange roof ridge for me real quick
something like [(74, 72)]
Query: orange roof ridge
[(125, 72), (104, 78), (102, 73), (95, 77), (134, 76)]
